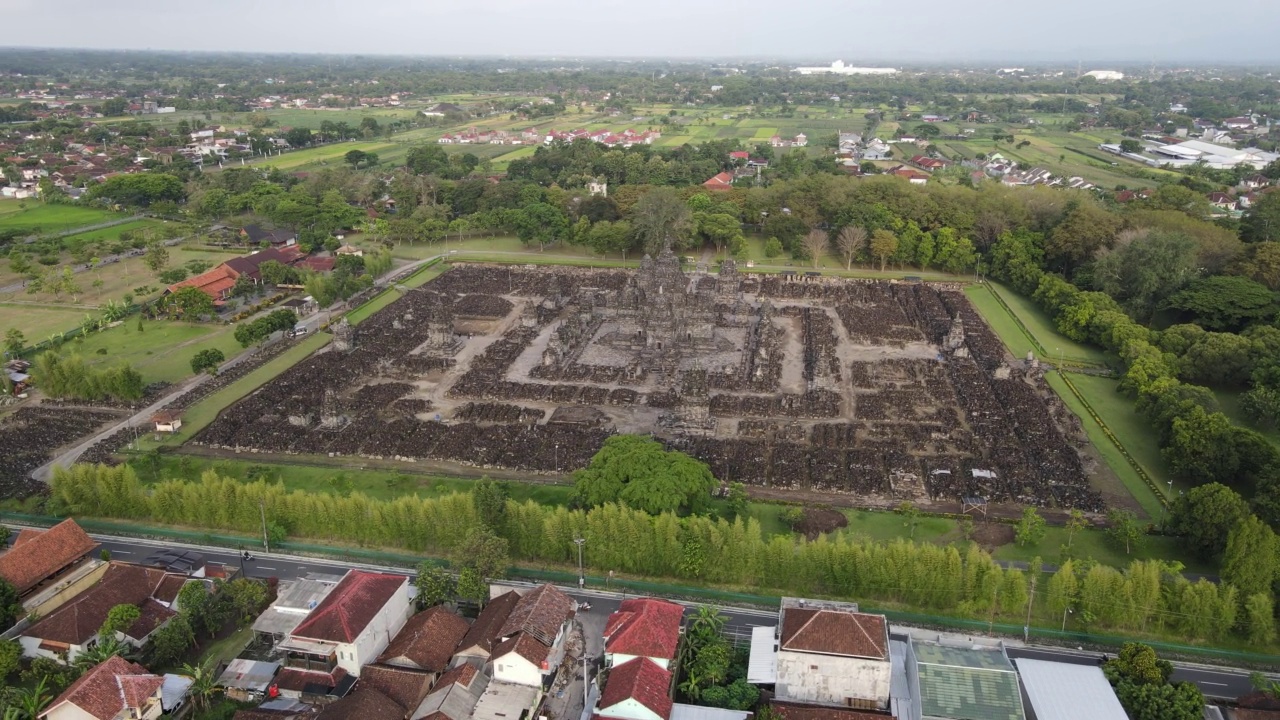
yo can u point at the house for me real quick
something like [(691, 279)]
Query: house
[(454, 696), (643, 627), (73, 628), (408, 688), (877, 149), (478, 643), (115, 689), (295, 599), (828, 653), (1222, 201), (251, 264), (638, 689), (1238, 123), (721, 181), (349, 250), (257, 235), (426, 642), (598, 186), (43, 558), (216, 282), (351, 626), (915, 177), (531, 641), (167, 421), (740, 155), (364, 704), (247, 680), (929, 164)]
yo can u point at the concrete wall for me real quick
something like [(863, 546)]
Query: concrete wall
[(79, 579), (835, 679), (616, 659), (515, 668), (377, 634)]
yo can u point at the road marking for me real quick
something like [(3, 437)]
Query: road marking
[(1206, 682), (264, 567), (121, 552)]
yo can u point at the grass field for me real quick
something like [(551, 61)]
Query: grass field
[(324, 155), (390, 295), (112, 233), (1058, 346), (1131, 429), (202, 413), (38, 322), (38, 217), (162, 351), (1230, 402)]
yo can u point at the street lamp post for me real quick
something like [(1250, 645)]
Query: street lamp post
[(1065, 613), (582, 579)]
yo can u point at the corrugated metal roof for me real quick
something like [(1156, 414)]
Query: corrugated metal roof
[(1063, 691), (698, 712), (963, 683), (762, 664)]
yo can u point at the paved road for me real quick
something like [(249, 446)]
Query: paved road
[(1216, 682)]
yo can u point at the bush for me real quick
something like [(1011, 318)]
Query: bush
[(772, 247)]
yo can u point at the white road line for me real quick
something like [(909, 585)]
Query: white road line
[(1206, 682), (264, 567), (120, 552)]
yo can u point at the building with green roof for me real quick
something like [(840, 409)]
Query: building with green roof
[(965, 683)]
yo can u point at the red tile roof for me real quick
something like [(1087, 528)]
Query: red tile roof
[(367, 704), (723, 181), (214, 282), (39, 554), (407, 687), (484, 631), (151, 616), (109, 688), (347, 609), (641, 680), (835, 632), (79, 619), (461, 675), (644, 628), (807, 712), (540, 613), (427, 640), (524, 645)]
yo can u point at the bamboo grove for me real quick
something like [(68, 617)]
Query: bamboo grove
[(1147, 597)]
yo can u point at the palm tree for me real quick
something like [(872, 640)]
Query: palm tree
[(202, 685), (692, 686), (103, 650), (26, 704)]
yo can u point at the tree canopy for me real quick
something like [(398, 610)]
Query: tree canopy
[(638, 472)]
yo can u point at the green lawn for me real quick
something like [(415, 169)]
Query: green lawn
[(390, 295), (37, 323), (1129, 427), (1230, 402), (38, 217), (324, 155), (162, 351), (202, 413), (1058, 346), (112, 233), (1094, 543)]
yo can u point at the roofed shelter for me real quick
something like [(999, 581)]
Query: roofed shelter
[(966, 683), (831, 654), (42, 558), (1063, 691)]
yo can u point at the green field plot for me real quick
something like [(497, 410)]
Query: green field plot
[(38, 322), (764, 133), (162, 352), (37, 217), (1056, 347), (111, 234), (287, 117), (324, 155), (1230, 402)]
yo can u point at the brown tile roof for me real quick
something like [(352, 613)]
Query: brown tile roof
[(524, 645), (642, 680), (835, 632), (26, 534), (808, 712), (297, 680), (407, 687), (80, 619), (427, 640), (110, 687), (461, 675), (261, 714), (168, 589), (213, 282), (484, 631), (152, 616), (644, 627), (347, 609), (367, 704), (540, 613), (35, 558)]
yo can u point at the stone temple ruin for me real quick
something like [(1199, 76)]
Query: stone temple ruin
[(890, 390)]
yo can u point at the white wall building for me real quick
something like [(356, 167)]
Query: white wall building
[(352, 625), (839, 68)]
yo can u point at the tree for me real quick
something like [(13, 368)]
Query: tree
[(1205, 515), (772, 247), (10, 605), (658, 216), (1224, 302), (1259, 619), (883, 246), (208, 359), (1137, 663), (354, 157), (851, 240), (1143, 272), (244, 287), (1261, 222), (485, 551), (1125, 530), (156, 257), (141, 189), (191, 303), (541, 223), (172, 640), (28, 703), (1250, 560), (101, 651), (1130, 145), (435, 586), (738, 695), (195, 603), (472, 586), (490, 500), (1030, 528), (14, 342), (1075, 523), (910, 517), (203, 683), (1084, 230), (1179, 701), (244, 597), (815, 245), (738, 501), (10, 658), (637, 471), (119, 619)]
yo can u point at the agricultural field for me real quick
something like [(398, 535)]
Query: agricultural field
[(33, 216), (324, 155)]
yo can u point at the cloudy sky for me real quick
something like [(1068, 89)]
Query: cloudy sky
[(1164, 31)]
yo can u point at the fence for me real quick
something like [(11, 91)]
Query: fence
[(722, 597)]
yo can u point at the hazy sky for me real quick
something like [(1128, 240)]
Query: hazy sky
[(1242, 31)]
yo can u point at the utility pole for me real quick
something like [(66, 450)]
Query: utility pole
[(262, 510), (582, 579), (1031, 596), (585, 694)]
